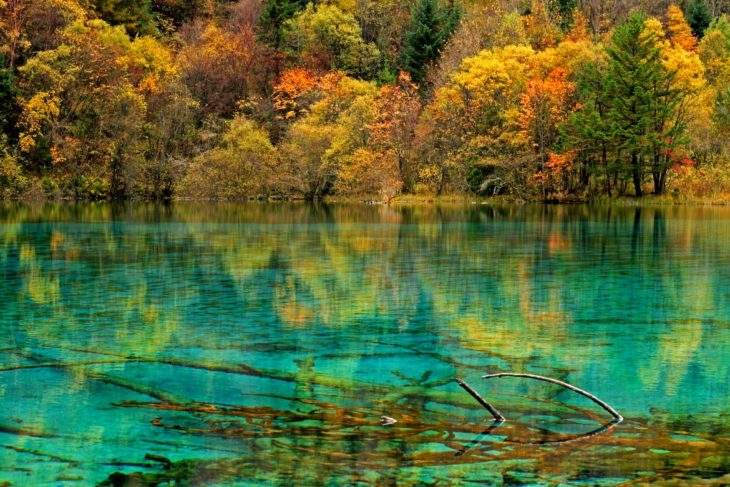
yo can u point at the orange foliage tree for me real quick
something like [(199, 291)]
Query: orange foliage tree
[(579, 31), (293, 92), (679, 31), (546, 105), (384, 165)]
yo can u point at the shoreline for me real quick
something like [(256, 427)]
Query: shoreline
[(407, 200)]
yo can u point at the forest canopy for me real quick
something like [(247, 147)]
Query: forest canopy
[(556, 100)]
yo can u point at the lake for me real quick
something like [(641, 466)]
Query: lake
[(254, 344)]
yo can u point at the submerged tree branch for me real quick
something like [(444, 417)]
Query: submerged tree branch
[(37, 453)]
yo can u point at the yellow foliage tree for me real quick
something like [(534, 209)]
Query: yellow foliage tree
[(469, 121), (714, 50), (243, 165), (381, 163), (324, 37), (85, 107), (319, 145)]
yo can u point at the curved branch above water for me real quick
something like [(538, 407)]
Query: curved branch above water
[(590, 396)]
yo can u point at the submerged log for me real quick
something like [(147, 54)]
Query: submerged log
[(38, 453), (618, 418), (158, 458), (478, 439)]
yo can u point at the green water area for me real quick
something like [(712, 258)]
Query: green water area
[(241, 344)]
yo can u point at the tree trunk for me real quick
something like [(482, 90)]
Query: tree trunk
[(657, 173), (117, 184), (636, 173), (604, 162), (662, 181)]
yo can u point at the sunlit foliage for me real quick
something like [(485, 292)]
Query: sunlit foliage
[(243, 165), (317, 146), (84, 118), (324, 37)]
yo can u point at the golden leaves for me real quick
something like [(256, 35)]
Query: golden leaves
[(680, 33), (41, 109), (292, 86)]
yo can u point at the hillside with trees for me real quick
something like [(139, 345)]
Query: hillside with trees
[(554, 100)]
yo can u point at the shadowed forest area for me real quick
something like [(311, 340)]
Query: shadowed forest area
[(554, 100)]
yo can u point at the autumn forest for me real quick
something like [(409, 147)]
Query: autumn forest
[(554, 100)]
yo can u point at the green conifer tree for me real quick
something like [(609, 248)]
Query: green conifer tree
[(273, 18), (431, 26), (698, 16), (643, 102), (590, 130), (8, 100)]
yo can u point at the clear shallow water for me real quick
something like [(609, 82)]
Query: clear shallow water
[(253, 344)]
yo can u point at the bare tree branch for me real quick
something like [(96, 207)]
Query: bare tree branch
[(590, 396)]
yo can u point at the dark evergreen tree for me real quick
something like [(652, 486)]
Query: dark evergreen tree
[(643, 108), (8, 100), (431, 26), (174, 13), (634, 66), (273, 18), (564, 10), (590, 129), (698, 16)]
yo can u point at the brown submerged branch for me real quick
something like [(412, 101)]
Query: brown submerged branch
[(159, 459), (478, 439), (387, 394), (37, 453), (150, 391), (153, 392)]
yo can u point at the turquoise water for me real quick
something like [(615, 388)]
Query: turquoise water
[(247, 344)]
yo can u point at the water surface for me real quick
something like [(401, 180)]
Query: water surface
[(252, 344)]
